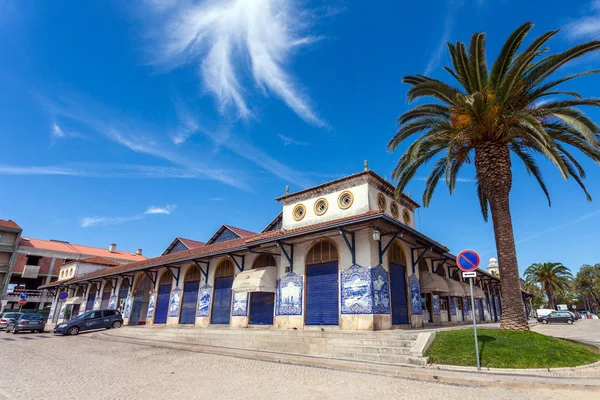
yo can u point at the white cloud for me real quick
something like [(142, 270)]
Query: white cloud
[(587, 26), (288, 141), (57, 131), (229, 39), (216, 199), (436, 56), (167, 210)]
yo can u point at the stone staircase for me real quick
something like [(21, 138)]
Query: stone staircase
[(391, 347)]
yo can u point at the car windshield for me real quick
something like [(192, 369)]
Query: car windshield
[(31, 316), (85, 315)]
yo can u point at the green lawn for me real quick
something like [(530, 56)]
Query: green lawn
[(509, 349)]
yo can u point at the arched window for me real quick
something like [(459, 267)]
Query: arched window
[(441, 271), (165, 279), (92, 290), (264, 260), (224, 269), (322, 251), (396, 254), (79, 292), (423, 266), (143, 283), (192, 274)]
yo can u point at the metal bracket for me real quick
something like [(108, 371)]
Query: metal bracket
[(387, 246), (351, 247), (440, 265), (95, 287), (205, 273), (412, 255), (289, 256), (176, 277), (127, 281), (52, 291), (149, 275), (237, 264), (262, 252), (110, 282)]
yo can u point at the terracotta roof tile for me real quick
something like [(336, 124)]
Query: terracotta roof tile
[(240, 232), (9, 224), (79, 249), (100, 261), (191, 244)]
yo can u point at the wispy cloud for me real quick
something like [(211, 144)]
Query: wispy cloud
[(288, 141), (588, 25), (226, 37), (167, 210), (557, 228), (87, 222), (57, 131), (216, 199), (434, 60)]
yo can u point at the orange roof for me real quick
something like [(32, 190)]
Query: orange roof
[(100, 261), (9, 224), (66, 247), (191, 244), (240, 232)]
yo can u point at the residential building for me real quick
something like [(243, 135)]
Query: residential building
[(10, 233)]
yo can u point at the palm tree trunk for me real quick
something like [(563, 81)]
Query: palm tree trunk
[(550, 294), (492, 162)]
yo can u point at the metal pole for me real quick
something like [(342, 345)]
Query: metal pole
[(474, 324)]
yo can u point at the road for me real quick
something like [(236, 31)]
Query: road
[(45, 366)]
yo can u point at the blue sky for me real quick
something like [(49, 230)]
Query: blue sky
[(138, 123)]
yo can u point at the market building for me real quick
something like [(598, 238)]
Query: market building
[(344, 254)]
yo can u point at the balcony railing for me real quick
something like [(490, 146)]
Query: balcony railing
[(33, 295)]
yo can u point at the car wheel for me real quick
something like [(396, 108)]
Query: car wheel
[(570, 321), (73, 331), (544, 321), (116, 325)]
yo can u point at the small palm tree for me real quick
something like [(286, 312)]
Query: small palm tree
[(514, 108), (552, 277)]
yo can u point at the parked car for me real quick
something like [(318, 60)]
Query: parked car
[(557, 316), (576, 315), (542, 312), (7, 317), (91, 320), (27, 322)]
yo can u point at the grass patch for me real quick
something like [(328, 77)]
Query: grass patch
[(509, 349)]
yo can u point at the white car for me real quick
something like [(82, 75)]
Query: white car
[(542, 312)]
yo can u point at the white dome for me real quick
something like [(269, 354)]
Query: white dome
[(493, 260)]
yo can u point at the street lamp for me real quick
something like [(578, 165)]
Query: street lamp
[(376, 235)]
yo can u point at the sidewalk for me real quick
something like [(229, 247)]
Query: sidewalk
[(582, 378)]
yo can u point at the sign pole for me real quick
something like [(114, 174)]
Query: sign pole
[(474, 323)]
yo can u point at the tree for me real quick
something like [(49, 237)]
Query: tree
[(587, 283), (514, 108), (538, 294), (552, 277)]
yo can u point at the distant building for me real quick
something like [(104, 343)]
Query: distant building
[(31, 263), (493, 267)]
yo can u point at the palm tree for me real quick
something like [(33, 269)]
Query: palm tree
[(553, 278), (514, 108)]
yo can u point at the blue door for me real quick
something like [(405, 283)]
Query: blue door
[(262, 305), (222, 301), (90, 302), (481, 312), (398, 293), (136, 308), (322, 294), (190, 302), (162, 304)]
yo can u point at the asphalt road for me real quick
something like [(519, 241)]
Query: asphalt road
[(584, 330), (43, 366)]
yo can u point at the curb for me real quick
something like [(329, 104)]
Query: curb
[(460, 378), (446, 367)]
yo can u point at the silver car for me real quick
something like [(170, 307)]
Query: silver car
[(27, 322), (8, 317)]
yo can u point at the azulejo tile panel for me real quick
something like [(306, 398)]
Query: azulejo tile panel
[(51, 314), (97, 302), (151, 305), (112, 302), (128, 305), (416, 307), (436, 304), (381, 290), (175, 302), (452, 306), (204, 301), (240, 304), (465, 307), (289, 295), (356, 293)]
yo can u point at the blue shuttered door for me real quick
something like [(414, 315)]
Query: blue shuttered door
[(481, 313), (398, 293), (261, 308), (105, 300), (222, 301), (322, 294), (90, 302), (136, 308), (190, 301), (162, 304)]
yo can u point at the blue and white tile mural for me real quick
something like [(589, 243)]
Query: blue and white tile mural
[(128, 305), (151, 305), (380, 289), (356, 290), (289, 295), (82, 307), (62, 310), (416, 307), (97, 303), (465, 307), (452, 306), (240, 304), (436, 304), (51, 314), (175, 302), (112, 302), (204, 301)]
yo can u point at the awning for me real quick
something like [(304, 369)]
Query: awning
[(454, 287), (256, 280), (73, 300), (432, 283), (477, 292)]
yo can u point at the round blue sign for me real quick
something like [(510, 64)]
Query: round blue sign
[(23, 296), (468, 260), (63, 295)]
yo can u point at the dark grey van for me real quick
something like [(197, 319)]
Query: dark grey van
[(91, 320)]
